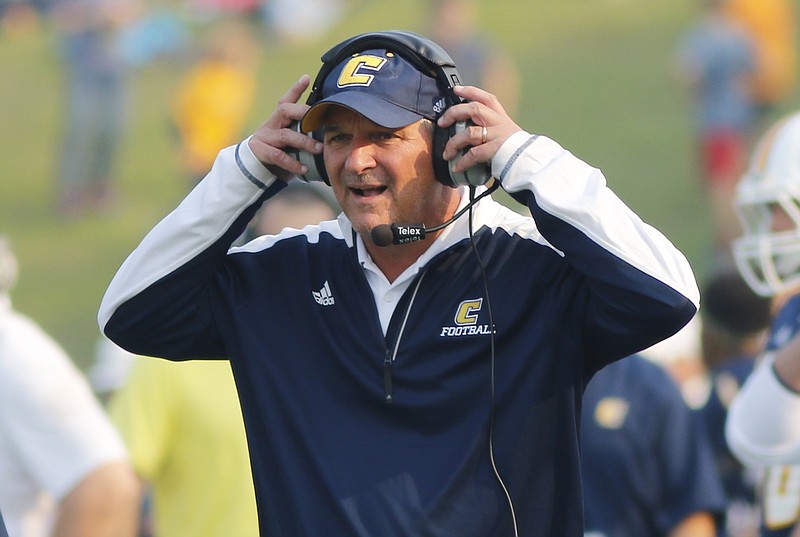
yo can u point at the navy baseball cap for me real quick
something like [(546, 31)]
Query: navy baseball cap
[(380, 85)]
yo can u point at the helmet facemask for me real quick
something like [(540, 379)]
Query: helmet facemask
[(769, 259)]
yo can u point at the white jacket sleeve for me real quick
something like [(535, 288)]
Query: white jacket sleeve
[(570, 190), (183, 252), (763, 423)]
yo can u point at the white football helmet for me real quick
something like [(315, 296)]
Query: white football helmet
[(768, 258)]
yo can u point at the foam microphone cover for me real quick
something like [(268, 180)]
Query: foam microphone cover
[(382, 235)]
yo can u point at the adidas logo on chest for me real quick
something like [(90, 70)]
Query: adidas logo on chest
[(324, 297)]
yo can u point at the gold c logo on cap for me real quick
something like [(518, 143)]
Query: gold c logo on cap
[(353, 75)]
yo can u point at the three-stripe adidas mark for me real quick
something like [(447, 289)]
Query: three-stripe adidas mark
[(324, 296)]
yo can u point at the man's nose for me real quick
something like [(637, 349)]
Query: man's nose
[(361, 157)]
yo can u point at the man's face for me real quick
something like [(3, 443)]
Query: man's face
[(381, 175)]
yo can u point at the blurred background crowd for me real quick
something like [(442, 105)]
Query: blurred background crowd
[(113, 109)]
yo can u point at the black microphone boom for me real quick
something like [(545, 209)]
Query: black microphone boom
[(388, 234)]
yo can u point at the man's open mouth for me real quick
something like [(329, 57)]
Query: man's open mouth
[(369, 192)]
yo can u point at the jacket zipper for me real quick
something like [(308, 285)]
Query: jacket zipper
[(387, 377), (390, 356)]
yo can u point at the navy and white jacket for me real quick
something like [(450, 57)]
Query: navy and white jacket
[(582, 283)]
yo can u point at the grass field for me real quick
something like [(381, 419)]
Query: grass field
[(596, 77)]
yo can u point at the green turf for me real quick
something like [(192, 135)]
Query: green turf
[(596, 77)]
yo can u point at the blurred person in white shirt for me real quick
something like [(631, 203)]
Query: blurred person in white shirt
[(63, 467)]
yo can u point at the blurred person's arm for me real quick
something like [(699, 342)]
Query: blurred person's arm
[(763, 424), (787, 365), (106, 503), (695, 525)]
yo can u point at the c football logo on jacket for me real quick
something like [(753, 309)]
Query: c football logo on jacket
[(353, 73), (468, 311), (466, 320)]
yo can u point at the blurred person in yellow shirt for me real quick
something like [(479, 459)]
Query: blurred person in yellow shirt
[(175, 418), (212, 105)]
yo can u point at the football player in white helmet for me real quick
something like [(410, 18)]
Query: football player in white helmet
[(763, 424), (768, 204)]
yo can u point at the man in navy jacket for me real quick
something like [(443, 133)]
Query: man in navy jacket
[(431, 387)]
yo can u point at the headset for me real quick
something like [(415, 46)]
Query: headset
[(428, 58)]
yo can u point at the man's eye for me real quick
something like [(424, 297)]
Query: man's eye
[(336, 138)]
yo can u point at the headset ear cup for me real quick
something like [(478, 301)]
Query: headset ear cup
[(310, 160), (441, 168), (315, 163), (476, 175), (319, 168), (316, 167)]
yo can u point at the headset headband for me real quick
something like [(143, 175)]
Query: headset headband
[(428, 58)]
